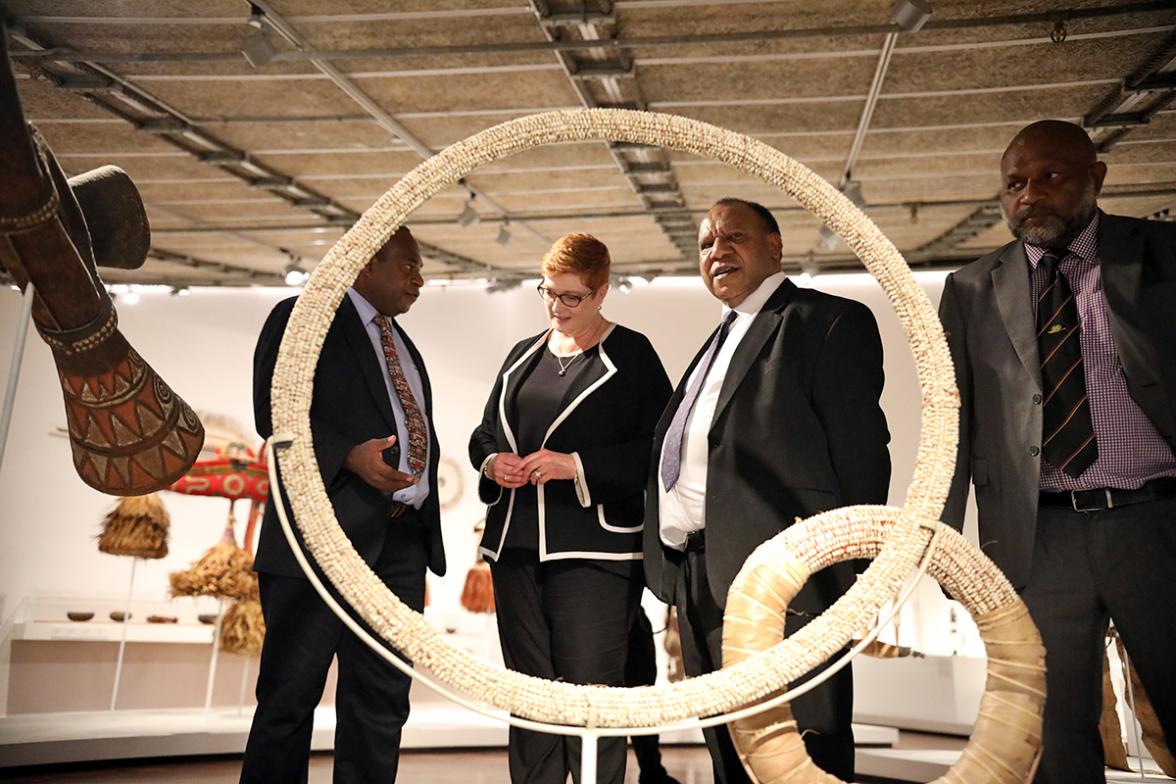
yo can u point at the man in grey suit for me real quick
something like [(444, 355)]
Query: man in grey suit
[(1065, 352)]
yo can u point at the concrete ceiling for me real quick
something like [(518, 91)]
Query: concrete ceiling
[(244, 168)]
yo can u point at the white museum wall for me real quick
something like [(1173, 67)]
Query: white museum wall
[(203, 345)]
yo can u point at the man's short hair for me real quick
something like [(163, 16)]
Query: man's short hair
[(765, 215)]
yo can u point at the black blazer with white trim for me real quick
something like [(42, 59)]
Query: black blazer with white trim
[(607, 424)]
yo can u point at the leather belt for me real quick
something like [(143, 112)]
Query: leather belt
[(695, 541), (1111, 497)]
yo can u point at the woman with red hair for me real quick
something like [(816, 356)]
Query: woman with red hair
[(564, 452)]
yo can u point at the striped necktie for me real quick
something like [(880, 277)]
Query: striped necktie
[(414, 421), (1067, 432)]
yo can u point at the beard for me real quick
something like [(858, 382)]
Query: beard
[(1051, 230)]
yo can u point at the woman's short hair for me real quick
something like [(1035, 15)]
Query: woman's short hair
[(582, 254)]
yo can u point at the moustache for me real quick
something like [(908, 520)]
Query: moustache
[(1025, 214)]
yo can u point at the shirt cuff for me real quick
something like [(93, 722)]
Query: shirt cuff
[(486, 462), (581, 483)]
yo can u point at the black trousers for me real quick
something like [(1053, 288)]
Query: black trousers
[(824, 714), (566, 620), (1088, 567), (371, 697), (641, 670)]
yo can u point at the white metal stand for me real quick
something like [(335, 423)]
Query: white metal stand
[(22, 331), (588, 758), (244, 683), (216, 633), (1134, 717), (122, 643), (588, 735)]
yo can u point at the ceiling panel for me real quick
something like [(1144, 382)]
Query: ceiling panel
[(950, 102)]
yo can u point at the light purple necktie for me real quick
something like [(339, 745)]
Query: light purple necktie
[(671, 466)]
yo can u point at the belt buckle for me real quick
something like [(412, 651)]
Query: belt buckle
[(1106, 492)]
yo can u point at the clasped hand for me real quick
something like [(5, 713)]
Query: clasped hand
[(511, 471), (366, 461)]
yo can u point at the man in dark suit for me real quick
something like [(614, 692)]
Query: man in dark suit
[(1065, 352), (377, 450), (777, 418)]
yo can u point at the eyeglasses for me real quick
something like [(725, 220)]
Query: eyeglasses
[(569, 300)]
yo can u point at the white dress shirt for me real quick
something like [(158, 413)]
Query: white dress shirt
[(682, 509), (414, 495)]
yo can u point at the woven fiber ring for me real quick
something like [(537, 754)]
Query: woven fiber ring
[(1006, 741), (560, 703)]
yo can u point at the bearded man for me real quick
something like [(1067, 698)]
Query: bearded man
[(1064, 345)]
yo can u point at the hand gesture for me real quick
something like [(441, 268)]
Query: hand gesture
[(366, 461), (543, 466), (504, 469)]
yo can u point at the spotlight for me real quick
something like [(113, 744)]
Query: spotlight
[(499, 285), (259, 47), (910, 15), (624, 285), (295, 275), (181, 291), (130, 298), (469, 216), (828, 239), (504, 235), (853, 191), (809, 268)]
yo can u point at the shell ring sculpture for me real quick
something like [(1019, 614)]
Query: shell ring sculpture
[(759, 661)]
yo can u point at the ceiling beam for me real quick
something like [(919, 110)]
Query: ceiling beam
[(1111, 192), (136, 106), (1138, 98), (1106, 125), (567, 45), (384, 119), (647, 170)]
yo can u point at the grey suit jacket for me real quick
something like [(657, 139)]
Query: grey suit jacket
[(990, 329)]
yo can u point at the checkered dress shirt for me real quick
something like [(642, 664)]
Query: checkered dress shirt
[(1130, 449)]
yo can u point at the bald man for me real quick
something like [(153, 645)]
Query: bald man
[(1064, 344)]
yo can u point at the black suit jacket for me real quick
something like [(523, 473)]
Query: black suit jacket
[(797, 430), (608, 423), (990, 328), (349, 406)]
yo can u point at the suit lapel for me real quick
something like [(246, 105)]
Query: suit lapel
[(1010, 282), (360, 344), (510, 388), (610, 370), (765, 324), (1120, 254)]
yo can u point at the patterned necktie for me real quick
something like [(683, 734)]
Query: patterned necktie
[(1067, 433), (671, 466), (418, 433)]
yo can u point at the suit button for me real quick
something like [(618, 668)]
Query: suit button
[(1037, 400), (1034, 451)]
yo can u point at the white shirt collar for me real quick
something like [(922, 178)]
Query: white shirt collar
[(366, 310), (756, 299)]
